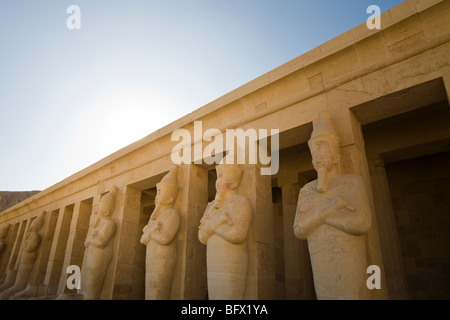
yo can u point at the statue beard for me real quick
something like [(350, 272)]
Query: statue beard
[(219, 198), (322, 182), (322, 171)]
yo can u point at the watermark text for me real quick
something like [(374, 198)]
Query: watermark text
[(73, 22), (241, 147), (374, 21), (74, 280)]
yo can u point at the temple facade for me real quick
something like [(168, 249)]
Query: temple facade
[(387, 94)]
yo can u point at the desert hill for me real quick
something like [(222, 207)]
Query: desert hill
[(10, 198)]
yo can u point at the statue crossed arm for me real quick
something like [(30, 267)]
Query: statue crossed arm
[(32, 242), (100, 235), (162, 230), (344, 208), (211, 220), (235, 229), (231, 226)]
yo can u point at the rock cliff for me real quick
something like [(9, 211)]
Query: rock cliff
[(10, 198)]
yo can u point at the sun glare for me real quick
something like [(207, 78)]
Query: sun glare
[(115, 120)]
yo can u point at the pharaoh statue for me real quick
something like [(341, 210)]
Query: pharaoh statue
[(333, 215), (99, 248), (159, 235), (3, 233), (27, 258), (224, 229)]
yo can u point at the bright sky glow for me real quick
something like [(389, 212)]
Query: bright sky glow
[(69, 98)]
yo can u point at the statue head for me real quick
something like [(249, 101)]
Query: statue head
[(324, 143), (37, 223), (107, 203), (4, 230), (167, 188), (228, 177)]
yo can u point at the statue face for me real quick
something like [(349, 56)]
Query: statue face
[(225, 181), (103, 209), (163, 196), (323, 154)]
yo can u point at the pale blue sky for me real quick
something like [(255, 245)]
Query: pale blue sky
[(69, 98)]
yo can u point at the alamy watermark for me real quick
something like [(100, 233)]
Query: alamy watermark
[(236, 143), (73, 22), (374, 21), (74, 280), (374, 280)]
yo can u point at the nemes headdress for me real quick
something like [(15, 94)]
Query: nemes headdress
[(109, 199), (39, 221), (4, 230)]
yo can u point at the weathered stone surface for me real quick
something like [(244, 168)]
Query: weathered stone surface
[(11, 198)]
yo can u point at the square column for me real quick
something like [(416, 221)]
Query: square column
[(119, 282), (299, 282), (389, 241), (190, 282), (56, 258), (261, 270), (74, 249)]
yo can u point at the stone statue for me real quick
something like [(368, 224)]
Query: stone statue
[(160, 238), (99, 248), (3, 233), (333, 215), (224, 229), (28, 256)]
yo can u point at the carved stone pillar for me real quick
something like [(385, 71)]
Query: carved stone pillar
[(121, 271), (261, 270), (390, 245), (54, 274), (75, 235), (189, 281), (298, 273)]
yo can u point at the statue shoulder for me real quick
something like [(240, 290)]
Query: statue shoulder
[(173, 213), (308, 188), (352, 178), (352, 184), (237, 198), (241, 202), (108, 224), (35, 236), (310, 185)]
